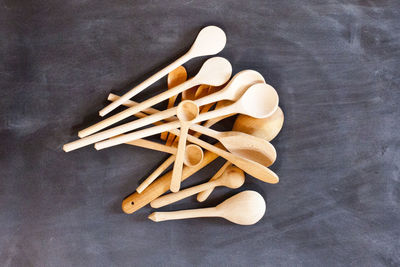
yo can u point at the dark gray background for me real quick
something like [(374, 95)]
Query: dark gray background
[(335, 65)]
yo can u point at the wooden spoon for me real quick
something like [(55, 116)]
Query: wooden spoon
[(175, 77), (235, 88), (259, 101), (187, 112), (266, 128), (215, 71), (210, 41), (233, 177), (244, 208)]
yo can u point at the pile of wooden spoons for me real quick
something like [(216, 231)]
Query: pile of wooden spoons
[(205, 99)]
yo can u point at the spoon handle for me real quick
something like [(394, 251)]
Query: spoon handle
[(146, 83), (183, 214), (135, 109), (227, 110), (155, 174), (136, 135), (153, 145), (204, 130), (202, 196), (174, 197), (178, 164), (117, 130)]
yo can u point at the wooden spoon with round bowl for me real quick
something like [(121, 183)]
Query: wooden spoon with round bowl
[(244, 208)]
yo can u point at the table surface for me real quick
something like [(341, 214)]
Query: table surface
[(335, 65)]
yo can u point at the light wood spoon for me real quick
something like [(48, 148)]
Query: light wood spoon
[(233, 91), (259, 101), (215, 71), (210, 41), (187, 112), (233, 177), (175, 77), (244, 208), (266, 128)]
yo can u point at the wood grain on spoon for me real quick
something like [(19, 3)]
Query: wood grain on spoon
[(210, 41)]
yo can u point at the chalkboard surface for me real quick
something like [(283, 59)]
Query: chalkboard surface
[(335, 65)]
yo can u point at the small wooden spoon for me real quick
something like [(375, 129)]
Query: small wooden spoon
[(244, 208), (259, 101), (175, 77), (210, 41), (187, 112), (266, 128), (233, 177), (215, 71)]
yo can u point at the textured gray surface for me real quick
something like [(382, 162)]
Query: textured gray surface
[(335, 65)]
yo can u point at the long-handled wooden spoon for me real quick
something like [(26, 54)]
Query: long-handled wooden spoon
[(244, 208), (215, 71), (187, 112), (259, 101), (175, 77), (210, 40), (266, 128), (233, 177), (233, 91)]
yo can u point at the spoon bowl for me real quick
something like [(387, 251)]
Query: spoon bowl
[(233, 178), (245, 208), (260, 101), (193, 155), (210, 41), (266, 128)]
